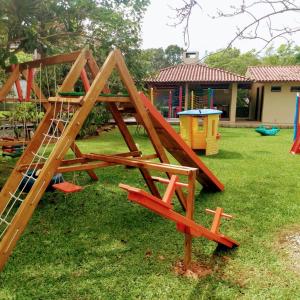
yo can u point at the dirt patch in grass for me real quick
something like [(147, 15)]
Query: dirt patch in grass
[(196, 271), (290, 244)]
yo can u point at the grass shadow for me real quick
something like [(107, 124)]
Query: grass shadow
[(225, 154)]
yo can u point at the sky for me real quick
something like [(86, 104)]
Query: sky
[(206, 34)]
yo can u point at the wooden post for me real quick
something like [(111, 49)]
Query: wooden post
[(192, 99), (85, 80), (186, 97), (180, 98), (29, 83), (170, 104), (151, 95), (233, 102), (190, 215)]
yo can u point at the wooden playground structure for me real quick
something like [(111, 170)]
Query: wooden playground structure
[(204, 137), (64, 116)]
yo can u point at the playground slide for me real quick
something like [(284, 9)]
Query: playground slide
[(296, 146), (179, 149)]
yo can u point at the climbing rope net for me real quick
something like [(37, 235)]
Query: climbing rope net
[(62, 115)]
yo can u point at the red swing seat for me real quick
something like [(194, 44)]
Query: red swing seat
[(67, 187)]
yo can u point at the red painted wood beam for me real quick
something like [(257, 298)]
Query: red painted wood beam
[(85, 80), (29, 83)]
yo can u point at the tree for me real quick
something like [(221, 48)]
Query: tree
[(154, 59), (60, 26), (283, 55), (173, 54), (232, 60)]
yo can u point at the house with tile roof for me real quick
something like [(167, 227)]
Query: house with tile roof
[(192, 85), (273, 93)]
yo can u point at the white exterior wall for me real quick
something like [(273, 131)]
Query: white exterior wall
[(279, 107)]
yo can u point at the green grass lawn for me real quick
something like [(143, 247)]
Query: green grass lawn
[(97, 245)]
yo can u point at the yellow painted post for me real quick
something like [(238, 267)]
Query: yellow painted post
[(151, 96), (193, 99)]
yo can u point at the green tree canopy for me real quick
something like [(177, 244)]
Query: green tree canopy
[(155, 59), (233, 60), (59, 26), (283, 55)]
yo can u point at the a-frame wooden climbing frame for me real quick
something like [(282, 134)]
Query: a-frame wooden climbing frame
[(64, 118), (26, 71)]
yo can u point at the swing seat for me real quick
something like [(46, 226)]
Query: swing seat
[(67, 187)]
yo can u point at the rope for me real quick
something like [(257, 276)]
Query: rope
[(59, 116)]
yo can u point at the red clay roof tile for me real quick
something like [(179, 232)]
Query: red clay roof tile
[(196, 73), (274, 73)]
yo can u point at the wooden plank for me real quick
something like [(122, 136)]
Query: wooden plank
[(14, 100), (136, 162), (180, 150), (74, 74), (29, 204), (167, 181), (7, 86), (141, 111), (132, 146), (113, 99), (123, 129), (169, 193), (74, 101), (189, 215), (53, 60), (141, 197), (212, 212), (38, 92), (13, 143), (217, 220), (15, 177)]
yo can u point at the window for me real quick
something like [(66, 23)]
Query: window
[(191, 55), (295, 88), (276, 89)]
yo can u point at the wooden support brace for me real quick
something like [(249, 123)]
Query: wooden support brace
[(73, 101), (167, 181), (85, 80), (167, 198), (18, 85), (218, 214)]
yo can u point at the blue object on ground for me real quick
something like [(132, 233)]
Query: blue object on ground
[(29, 179), (267, 131)]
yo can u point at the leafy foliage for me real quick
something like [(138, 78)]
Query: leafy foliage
[(97, 117), (285, 54), (23, 113), (233, 60)]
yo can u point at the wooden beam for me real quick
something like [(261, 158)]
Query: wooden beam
[(13, 100), (53, 60), (6, 88), (26, 209), (113, 99), (167, 181), (75, 101), (12, 143), (190, 215), (132, 146), (139, 163), (74, 74), (141, 111)]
